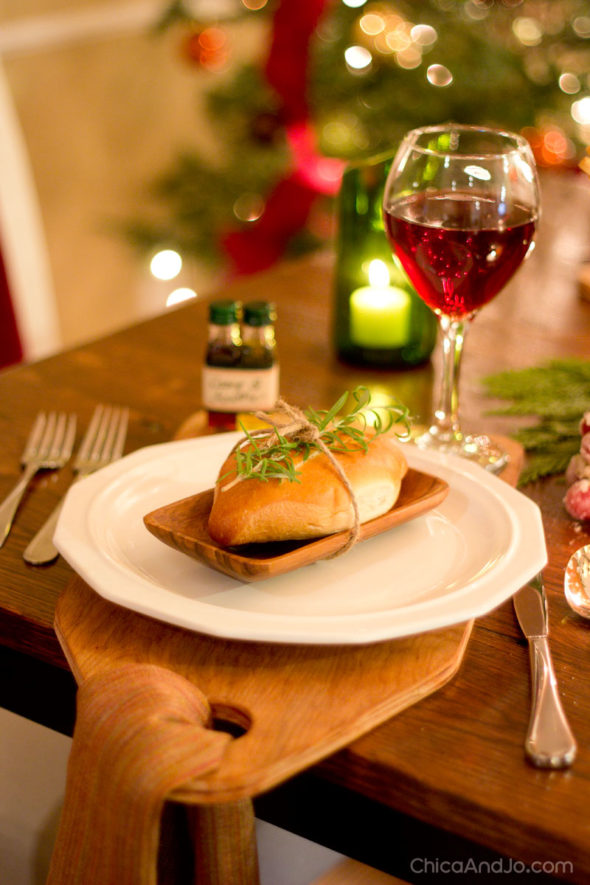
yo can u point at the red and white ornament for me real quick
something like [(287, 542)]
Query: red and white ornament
[(577, 476), (578, 468), (577, 499)]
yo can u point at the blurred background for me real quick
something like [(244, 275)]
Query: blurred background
[(211, 135)]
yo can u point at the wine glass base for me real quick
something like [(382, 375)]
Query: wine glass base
[(477, 448)]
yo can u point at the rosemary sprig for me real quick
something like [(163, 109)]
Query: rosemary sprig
[(272, 456), (269, 462)]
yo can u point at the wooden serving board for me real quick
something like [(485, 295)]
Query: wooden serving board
[(295, 703)]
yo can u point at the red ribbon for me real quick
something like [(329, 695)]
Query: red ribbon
[(11, 350), (294, 24), (287, 209)]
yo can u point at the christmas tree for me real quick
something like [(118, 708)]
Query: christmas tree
[(343, 80)]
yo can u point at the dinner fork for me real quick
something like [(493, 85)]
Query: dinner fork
[(48, 447), (103, 442)]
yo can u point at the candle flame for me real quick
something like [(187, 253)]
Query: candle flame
[(378, 273)]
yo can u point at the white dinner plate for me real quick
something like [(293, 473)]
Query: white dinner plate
[(456, 562)]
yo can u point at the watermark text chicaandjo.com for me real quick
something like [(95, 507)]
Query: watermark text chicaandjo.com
[(427, 866)]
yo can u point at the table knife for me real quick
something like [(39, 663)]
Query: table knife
[(549, 742)]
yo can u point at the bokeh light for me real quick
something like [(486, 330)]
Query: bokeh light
[(581, 26), (398, 39), (439, 75), (180, 295), (569, 83), (372, 24), (248, 207), (476, 10), (166, 264), (358, 59), (551, 146), (581, 111), (409, 58), (527, 30), (424, 35)]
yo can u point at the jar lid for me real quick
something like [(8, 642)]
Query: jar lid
[(259, 313), (223, 313)]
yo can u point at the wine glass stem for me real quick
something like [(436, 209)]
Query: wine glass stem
[(446, 416)]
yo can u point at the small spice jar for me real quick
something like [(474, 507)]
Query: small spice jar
[(220, 373), (259, 361)]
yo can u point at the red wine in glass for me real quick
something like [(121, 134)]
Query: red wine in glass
[(460, 206), (453, 248)]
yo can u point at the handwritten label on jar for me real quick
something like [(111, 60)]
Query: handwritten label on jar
[(243, 390)]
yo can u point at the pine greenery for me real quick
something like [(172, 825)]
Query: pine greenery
[(557, 394)]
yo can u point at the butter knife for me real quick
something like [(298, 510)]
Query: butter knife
[(549, 742)]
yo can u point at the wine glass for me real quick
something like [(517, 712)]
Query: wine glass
[(460, 207)]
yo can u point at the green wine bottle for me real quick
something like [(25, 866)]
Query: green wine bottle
[(379, 320)]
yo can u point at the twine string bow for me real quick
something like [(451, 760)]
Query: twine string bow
[(299, 429)]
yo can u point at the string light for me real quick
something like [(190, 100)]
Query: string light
[(550, 145), (249, 207), (527, 30), (206, 10), (358, 59), (438, 75), (166, 264), (388, 33), (213, 48), (581, 26), (569, 83), (580, 111), (409, 58), (424, 35), (476, 11), (372, 24), (399, 39), (180, 295)]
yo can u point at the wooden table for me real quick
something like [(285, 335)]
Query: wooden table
[(447, 777)]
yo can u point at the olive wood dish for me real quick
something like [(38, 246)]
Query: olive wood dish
[(183, 526)]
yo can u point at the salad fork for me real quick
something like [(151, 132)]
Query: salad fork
[(103, 442), (48, 447)]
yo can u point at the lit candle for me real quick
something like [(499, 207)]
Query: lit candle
[(379, 313)]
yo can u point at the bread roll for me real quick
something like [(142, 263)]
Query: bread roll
[(254, 511)]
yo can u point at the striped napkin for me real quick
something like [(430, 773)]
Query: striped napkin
[(141, 731)]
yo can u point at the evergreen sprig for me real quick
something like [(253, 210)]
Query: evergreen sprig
[(558, 394), (273, 455)]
